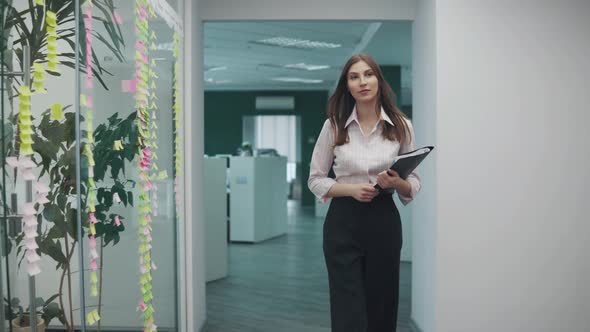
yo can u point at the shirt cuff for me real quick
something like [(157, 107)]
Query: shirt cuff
[(415, 188), (321, 188)]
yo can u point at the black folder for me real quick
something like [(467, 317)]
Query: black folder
[(405, 163)]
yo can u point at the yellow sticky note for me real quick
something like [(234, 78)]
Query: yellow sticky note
[(92, 230), (90, 318), (26, 139), (52, 66), (93, 277), (24, 90), (26, 130), (26, 149), (96, 316), (83, 100), (40, 2), (39, 87), (56, 111), (51, 16), (118, 146), (91, 183)]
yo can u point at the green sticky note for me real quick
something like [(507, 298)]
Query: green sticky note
[(57, 111)]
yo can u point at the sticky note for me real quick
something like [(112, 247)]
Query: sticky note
[(56, 112)]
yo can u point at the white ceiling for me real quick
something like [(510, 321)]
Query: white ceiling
[(252, 66)]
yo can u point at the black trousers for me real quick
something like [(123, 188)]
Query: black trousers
[(362, 243)]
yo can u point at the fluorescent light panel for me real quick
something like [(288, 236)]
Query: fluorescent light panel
[(296, 80), (296, 43)]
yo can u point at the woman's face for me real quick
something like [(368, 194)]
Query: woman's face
[(362, 82)]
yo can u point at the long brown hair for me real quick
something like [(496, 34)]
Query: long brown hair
[(341, 104)]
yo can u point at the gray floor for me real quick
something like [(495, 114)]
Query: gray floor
[(280, 285)]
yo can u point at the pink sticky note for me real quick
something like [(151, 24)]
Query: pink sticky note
[(30, 220), (92, 242), (118, 18), (92, 218), (93, 254), (139, 45), (28, 174), (41, 187), (29, 209), (33, 269), (42, 199), (12, 161), (93, 265), (89, 84), (117, 221), (32, 256), (26, 162), (31, 244), (128, 86), (89, 102), (142, 306)]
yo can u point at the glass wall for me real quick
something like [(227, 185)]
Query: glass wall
[(91, 155)]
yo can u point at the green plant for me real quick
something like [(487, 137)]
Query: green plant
[(48, 310)]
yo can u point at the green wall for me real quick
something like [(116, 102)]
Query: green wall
[(223, 122), (224, 111)]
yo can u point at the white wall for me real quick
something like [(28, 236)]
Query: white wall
[(424, 206), (512, 164), (307, 10)]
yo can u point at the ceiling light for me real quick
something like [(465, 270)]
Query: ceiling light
[(295, 43), (164, 46), (215, 68), (296, 80), (212, 81), (306, 67)]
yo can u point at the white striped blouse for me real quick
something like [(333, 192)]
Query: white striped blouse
[(358, 161)]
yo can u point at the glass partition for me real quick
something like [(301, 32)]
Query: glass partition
[(91, 159)]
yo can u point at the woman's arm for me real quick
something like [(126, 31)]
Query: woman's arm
[(321, 161)]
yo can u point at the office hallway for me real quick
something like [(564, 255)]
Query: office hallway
[(281, 285)]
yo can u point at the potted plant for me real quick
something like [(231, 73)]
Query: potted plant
[(20, 319)]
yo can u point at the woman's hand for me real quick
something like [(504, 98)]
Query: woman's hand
[(390, 179), (364, 192)]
